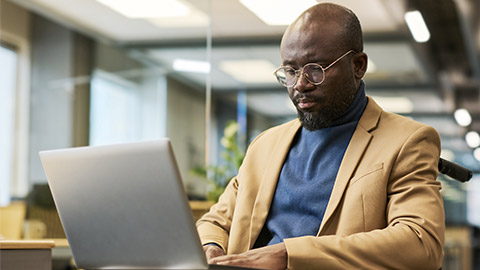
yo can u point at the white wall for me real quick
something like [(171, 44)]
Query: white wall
[(15, 30)]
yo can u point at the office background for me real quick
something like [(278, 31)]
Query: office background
[(91, 72)]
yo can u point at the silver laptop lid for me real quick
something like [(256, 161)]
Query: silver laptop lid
[(123, 206)]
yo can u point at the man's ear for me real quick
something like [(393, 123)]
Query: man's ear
[(360, 62)]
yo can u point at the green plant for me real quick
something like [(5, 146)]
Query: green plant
[(218, 176)]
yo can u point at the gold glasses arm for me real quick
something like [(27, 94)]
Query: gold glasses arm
[(338, 59)]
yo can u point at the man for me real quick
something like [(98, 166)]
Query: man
[(345, 186)]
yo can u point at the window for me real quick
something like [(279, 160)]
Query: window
[(8, 74), (124, 111)]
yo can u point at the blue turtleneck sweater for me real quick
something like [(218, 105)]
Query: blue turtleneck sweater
[(308, 175)]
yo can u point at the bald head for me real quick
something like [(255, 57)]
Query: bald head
[(325, 35), (312, 23)]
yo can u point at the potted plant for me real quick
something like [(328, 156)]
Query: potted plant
[(218, 176)]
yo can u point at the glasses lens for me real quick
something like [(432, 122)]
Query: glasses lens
[(281, 78), (286, 76), (314, 73)]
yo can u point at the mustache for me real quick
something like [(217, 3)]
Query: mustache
[(305, 98)]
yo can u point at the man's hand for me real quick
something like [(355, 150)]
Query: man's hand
[(212, 251), (270, 257)]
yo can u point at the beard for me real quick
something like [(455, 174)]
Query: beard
[(326, 115)]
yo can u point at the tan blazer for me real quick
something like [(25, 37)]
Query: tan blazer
[(385, 210)]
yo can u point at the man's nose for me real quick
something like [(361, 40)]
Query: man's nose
[(302, 84)]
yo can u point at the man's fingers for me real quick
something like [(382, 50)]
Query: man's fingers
[(225, 258), (271, 257), (213, 252), (238, 260)]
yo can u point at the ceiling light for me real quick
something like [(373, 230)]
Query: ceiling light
[(395, 104), (249, 71), (195, 18), (476, 154), (417, 26), (147, 8), (278, 12), (473, 139), (462, 117), (195, 66)]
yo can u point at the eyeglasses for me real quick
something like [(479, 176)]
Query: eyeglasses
[(313, 72)]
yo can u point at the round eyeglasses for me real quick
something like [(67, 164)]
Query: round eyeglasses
[(313, 72)]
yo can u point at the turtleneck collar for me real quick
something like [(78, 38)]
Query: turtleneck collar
[(355, 110)]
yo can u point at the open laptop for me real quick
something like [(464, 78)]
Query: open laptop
[(123, 206)]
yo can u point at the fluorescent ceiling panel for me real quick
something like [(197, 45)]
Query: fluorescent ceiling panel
[(184, 65), (194, 18), (165, 13), (249, 71), (278, 12), (417, 26), (147, 8)]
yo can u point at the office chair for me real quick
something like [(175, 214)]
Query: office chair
[(454, 170)]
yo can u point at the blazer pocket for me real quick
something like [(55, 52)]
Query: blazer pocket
[(371, 169)]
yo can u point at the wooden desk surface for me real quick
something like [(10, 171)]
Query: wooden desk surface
[(26, 244), (26, 254), (59, 242), (200, 205)]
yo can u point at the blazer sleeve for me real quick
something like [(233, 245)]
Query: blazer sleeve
[(414, 236), (214, 226)]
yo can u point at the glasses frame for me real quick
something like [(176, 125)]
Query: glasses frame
[(300, 72)]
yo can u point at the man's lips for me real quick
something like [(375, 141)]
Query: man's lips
[(305, 104)]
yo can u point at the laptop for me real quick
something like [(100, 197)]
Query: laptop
[(123, 206)]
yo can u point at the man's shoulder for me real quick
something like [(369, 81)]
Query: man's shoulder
[(394, 127), (397, 119), (402, 124), (392, 120)]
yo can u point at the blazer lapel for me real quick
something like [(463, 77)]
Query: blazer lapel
[(274, 165), (357, 146)]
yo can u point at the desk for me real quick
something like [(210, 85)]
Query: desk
[(26, 255), (199, 208)]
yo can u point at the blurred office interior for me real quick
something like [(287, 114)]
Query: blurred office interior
[(91, 72)]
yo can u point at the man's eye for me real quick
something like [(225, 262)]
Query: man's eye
[(290, 71)]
